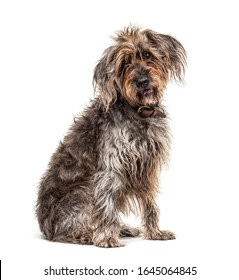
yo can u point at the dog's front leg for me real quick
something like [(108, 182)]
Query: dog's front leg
[(106, 221), (151, 223)]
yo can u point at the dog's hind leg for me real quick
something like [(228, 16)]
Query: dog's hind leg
[(68, 220), (83, 237), (128, 231)]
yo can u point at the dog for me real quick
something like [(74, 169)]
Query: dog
[(109, 162)]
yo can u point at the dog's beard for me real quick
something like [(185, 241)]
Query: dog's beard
[(150, 96)]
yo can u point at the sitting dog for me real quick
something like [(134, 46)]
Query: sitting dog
[(110, 160)]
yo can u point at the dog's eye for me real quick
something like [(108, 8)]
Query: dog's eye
[(125, 63), (147, 55), (123, 66)]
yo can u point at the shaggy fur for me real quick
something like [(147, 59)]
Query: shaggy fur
[(110, 160)]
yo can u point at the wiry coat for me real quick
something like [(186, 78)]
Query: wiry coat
[(108, 163)]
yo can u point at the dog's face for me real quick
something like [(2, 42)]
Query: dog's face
[(138, 67)]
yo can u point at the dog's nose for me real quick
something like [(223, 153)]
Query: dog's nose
[(142, 82)]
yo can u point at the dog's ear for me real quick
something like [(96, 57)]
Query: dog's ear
[(104, 77), (171, 51)]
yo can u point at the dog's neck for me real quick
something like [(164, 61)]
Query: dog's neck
[(150, 112), (145, 111)]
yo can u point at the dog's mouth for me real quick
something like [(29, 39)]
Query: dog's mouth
[(146, 92), (148, 96)]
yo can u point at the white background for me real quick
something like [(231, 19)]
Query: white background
[(48, 50)]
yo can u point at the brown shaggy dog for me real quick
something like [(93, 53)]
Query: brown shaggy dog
[(109, 162)]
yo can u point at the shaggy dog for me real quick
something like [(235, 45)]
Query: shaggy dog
[(109, 162)]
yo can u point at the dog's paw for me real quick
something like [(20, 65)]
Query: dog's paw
[(109, 243), (161, 235)]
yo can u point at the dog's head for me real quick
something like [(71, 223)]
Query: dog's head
[(138, 67)]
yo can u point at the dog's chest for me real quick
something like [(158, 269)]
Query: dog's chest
[(133, 142)]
